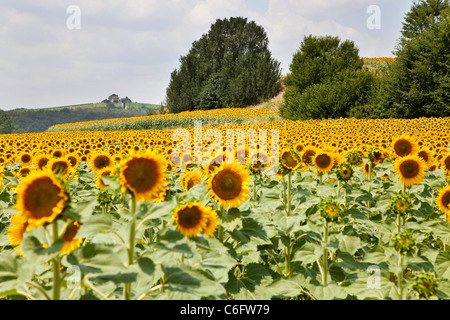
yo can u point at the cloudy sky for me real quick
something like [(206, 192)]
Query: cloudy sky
[(65, 52)]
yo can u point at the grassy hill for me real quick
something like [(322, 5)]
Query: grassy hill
[(39, 120)]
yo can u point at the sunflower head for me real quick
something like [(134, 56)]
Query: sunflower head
[(411, 169), (25, 158), (375, 155), (191, 219), (229, 185), (100, 160), (401, 205), (404, 145), (41, 198), (354, 158), (443, 200), (19, 224), (190, 179), (330, 210), (344, 171), (143, 174), (446, 163), (323, 161), (60, 167), (425, 285), (290, 160), (404, 242), (70, 242)]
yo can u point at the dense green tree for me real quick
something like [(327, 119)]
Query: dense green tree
[(230, 66), (325, 80), (6, 123), (320, 59), (422, 15), (418, 84)]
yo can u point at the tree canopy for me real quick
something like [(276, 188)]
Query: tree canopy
[(325, 80), (418, 84), (230, 66)]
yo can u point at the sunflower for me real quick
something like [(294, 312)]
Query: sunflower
[(427, 156), (25, 158), (41, 198), (100, 160), (446, 163), (23, 172), (344, 171), (401, 205), (40, 161), (366, 168), (443, 200), (190, 179), (354, 158), (289, 159), (143, 174), (411, 169), (212, 222), (425, 285), (404, 145), (308, 154), (229, 185), (330, 210), (404, 242), (70, 242), (375, 155), (105, 172), (16, 230), (61, 167), (323, 161), (191, 219)]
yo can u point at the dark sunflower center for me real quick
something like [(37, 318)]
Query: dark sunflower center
[(403, 148), (323, 161), (446, 199), (42, 162), (60, 167), (102, 162), (227, 184), (40, 197), (409, 169), (307, 156), (189, 217), (423, 155), (141, 174), (26, 158), (70, 232), (447, 163)]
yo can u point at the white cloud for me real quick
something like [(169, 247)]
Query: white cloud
[(131, 46)]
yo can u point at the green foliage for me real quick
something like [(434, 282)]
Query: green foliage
[(6, 123), (335, 98), (325, 80), (418, 84), (319, 59), (229, 66), (40, 120), (264, 254)]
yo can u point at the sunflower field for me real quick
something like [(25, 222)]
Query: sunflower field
[(316, 210)]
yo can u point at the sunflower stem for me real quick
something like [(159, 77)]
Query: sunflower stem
[(56, 266), (325, 255), (289, 194), (127, 291), (400, 278)]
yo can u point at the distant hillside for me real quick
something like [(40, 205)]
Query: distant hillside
[(39, 120)]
